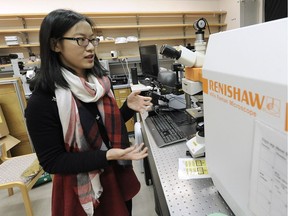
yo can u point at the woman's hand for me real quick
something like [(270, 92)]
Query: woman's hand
[(134, 152), (139, 103)]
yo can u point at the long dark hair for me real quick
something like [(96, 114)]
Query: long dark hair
[(53, 27)]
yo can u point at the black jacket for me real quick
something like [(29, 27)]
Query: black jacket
[(46, 134)]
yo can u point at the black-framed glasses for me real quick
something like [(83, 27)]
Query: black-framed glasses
[(82, 41)]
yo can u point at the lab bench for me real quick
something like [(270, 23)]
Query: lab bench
[(173, 196)]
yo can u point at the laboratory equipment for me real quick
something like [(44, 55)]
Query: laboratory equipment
[(191, 59), (149, 61), (196, 145), (184, 55), (246, 116), (246, 122)]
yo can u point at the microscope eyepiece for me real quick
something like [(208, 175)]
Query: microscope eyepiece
[(170, 52)]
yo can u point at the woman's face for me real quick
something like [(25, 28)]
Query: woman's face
[(74, 56)]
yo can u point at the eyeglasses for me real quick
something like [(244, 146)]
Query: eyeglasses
[(83, 42)]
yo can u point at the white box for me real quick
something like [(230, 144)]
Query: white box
[(191, 87), (12, 43), (11, 38)]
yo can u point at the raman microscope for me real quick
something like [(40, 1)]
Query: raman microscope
[(192, 82)]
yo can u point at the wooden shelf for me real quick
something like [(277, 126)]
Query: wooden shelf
[(113, 14), (19, 46), (109, 41), (168, 38), (155, 26), (146, 26), (19, 30)]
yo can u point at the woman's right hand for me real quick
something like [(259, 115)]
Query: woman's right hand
[(134, 152)]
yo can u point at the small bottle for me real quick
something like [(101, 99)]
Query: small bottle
[(133, 75)]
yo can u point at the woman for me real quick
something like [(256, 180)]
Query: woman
[(77, 130)]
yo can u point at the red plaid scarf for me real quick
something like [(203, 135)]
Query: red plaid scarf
[(98, 91)]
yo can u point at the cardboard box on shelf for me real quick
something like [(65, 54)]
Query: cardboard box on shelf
[(9, 141), (5, 138), (4, 131)]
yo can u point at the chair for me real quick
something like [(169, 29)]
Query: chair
[(22, 172)]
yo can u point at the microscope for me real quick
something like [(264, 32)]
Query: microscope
[(192, 82), (25, 69)]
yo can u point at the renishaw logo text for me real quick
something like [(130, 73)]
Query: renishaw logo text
[(243, 99)]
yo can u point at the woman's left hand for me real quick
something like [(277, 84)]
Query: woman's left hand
[(135, 152), (139, 103)]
